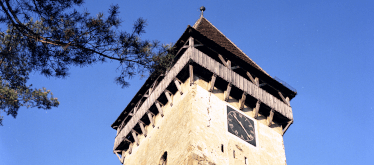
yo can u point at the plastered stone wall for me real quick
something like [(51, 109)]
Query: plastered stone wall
[(194, 131), (171, 133)]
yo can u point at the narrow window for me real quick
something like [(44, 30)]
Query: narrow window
[(222, 147), (234, 153), (164, 158), (245, 160)]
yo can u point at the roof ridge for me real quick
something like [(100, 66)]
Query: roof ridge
[(199, 21)]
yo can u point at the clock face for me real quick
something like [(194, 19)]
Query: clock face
[(241, 126)]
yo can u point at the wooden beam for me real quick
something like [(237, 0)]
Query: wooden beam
[(177, 83), (183, 47), (251, 78), (130, 149), (150, 117), (118, 130), (257, 108), (136, 107), (133, 133), (212, 82), (123, 155), (288, 125), (159, 109), (150, 90), (242, 101), (235, 67), (286, 100), (168, 96), (270, 118), (120, 127), (120, 159), (222, 60), (144, 131), (281, 95), (227, 64), (227, 92), (180, 82), (191, 42), (191, 74), (126, 140), (117, 156)]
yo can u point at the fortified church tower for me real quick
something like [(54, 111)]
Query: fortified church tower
[(213, 106)]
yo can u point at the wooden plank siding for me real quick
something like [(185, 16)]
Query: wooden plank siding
[(236, 80)]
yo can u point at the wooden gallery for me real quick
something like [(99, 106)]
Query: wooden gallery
[(213, 106)]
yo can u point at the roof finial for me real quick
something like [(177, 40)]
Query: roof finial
[(202, 9)]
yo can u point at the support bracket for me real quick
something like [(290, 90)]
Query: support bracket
[(255, 115), (212, 82), (150, 117), (178, 85), (191, 74), (144, 131), (133, 133), (242, 101), (287, 126), (159, 108), (270, 118), (227, 92), (168, 95), (120, 158)]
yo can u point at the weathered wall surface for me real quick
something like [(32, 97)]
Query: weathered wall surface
[(209, 133), (194, 131)]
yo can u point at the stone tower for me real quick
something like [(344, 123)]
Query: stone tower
[(213, 106)]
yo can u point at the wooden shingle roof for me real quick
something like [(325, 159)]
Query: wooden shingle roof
[(210, 31)]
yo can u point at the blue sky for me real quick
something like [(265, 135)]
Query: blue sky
[(324, 49)]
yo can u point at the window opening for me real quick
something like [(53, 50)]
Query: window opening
[(163, 159)]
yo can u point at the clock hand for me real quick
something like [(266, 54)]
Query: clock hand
[(242, 126)]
